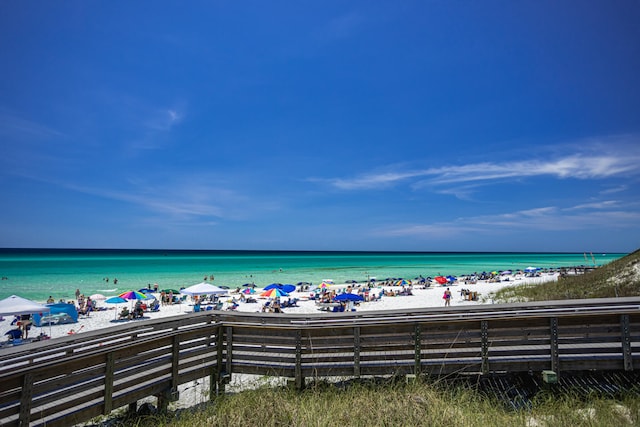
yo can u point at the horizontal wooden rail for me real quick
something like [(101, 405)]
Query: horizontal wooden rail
[(73, 379)]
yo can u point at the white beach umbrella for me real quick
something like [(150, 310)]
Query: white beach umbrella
[(203, 289)]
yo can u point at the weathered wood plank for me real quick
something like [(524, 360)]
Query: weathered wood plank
[(71, 377)]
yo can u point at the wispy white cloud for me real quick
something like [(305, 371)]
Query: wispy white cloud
[(163, 120), (606, 204), (548, 218), (614, 190), (193, 199), (583, 165), (16, 127)]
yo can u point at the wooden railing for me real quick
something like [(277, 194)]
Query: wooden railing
[(69, 380)]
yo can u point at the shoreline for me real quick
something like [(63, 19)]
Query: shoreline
[(423, 297), (59, 274), (195, 393)]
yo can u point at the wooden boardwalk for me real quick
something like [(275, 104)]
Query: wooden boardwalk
[(73, 379)]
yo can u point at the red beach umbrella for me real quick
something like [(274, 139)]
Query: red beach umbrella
[(440, 279)]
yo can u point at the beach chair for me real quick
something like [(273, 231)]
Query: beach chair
[(14, 334)]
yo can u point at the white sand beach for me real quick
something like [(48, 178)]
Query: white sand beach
[(422, 297), (197, 391)]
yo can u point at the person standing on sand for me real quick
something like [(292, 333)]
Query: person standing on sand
[(447, 297)]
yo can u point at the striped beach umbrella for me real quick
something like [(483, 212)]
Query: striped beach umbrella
[(132, 295), (274, 293)]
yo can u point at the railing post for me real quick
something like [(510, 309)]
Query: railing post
[(175, 359), (298, 368), (417, 348), (229, 360), (626, 342), (555, 352), (224, 375), (356, 351), (484, 346), (25, 400), (108, 384), (216, 372)]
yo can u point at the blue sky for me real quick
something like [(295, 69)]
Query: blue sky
[(321, 125)]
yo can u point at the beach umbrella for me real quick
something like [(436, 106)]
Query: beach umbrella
[(506, 272), (132, 295), (348, 297), (203, 289), (451, 279), (440, 279), (288, 288), (252, 285), (169, 290), (531, 269), (403, 282), (145, 291), (323, 285), (274, 293), (115, 300), (98, 297), (248, 291)]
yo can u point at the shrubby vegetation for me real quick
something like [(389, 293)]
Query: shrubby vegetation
[(620, 278)]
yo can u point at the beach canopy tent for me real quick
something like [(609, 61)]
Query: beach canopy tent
[(18, 305), (203, 289), (60, 314)]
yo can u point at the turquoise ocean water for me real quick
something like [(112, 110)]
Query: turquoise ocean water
[(38, 273)]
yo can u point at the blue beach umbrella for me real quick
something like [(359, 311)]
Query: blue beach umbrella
[(348, 297), (288, 288), (273, 286), (115, 300)]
